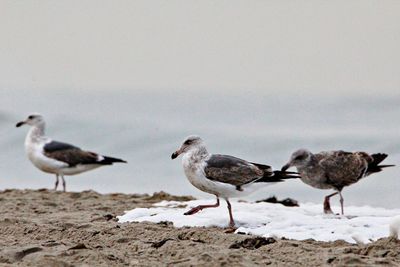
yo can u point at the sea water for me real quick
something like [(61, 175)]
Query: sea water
[(146, 127)]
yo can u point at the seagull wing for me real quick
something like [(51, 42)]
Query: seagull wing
[(231, 170), (342, 168), (69, 154)]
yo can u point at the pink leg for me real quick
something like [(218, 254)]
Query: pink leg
[(327, 205), (231, 228), (201, 207), (231, 221)]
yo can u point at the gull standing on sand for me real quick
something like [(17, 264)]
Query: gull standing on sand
[(334, 169), (223, 176), (57, 157)]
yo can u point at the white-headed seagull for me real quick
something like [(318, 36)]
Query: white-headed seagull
[(223, 176), (56, 157)]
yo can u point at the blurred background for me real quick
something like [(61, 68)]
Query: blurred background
[(255, 79)]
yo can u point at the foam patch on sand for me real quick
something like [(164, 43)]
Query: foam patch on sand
[(360, 225)]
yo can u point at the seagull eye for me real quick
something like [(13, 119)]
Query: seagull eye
[(31, 117), (188, 142), (301, 157)]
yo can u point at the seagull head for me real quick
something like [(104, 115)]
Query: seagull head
[(191, 142), (32, 120), (299, 158)]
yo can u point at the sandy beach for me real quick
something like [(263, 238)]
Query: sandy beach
[(47, 228)]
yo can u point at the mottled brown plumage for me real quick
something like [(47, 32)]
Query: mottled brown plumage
[(334, 169)]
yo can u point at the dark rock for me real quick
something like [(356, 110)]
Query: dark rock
[(253, 243), (109, 217), (160, 243), (330, 260), (288, 202)]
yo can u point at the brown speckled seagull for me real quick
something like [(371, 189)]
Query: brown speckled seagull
[(334, 169)]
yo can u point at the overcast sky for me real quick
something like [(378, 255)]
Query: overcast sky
[(313, 46)]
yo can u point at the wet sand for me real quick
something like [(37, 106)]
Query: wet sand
[(47, 228)]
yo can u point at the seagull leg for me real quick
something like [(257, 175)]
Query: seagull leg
[(63, 182), (327, 205), (231, 221), (232, 227), (341, 202), (201, 207), (56, 185)]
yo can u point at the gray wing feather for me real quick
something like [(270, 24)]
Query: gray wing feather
[(57, 146), (69, 154), (231, 170)]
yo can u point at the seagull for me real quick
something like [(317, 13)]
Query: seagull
[(57, 157), (222, 175), (334, 170)]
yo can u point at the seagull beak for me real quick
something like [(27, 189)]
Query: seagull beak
[(19, 124), (175, 155), (286, 166)]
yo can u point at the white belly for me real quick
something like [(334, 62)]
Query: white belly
[(41, 161), (50, 165)]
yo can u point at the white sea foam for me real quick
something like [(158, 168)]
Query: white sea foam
[(360, 225), (395, 227)]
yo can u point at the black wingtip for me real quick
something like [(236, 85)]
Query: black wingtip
[(385, 166), (286, 175), (278, 176), (374, 166), (110, 160), (378, 158)]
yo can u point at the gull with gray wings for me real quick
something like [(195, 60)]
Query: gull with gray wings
[(334, 169), (222, 175), (56, 157)]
